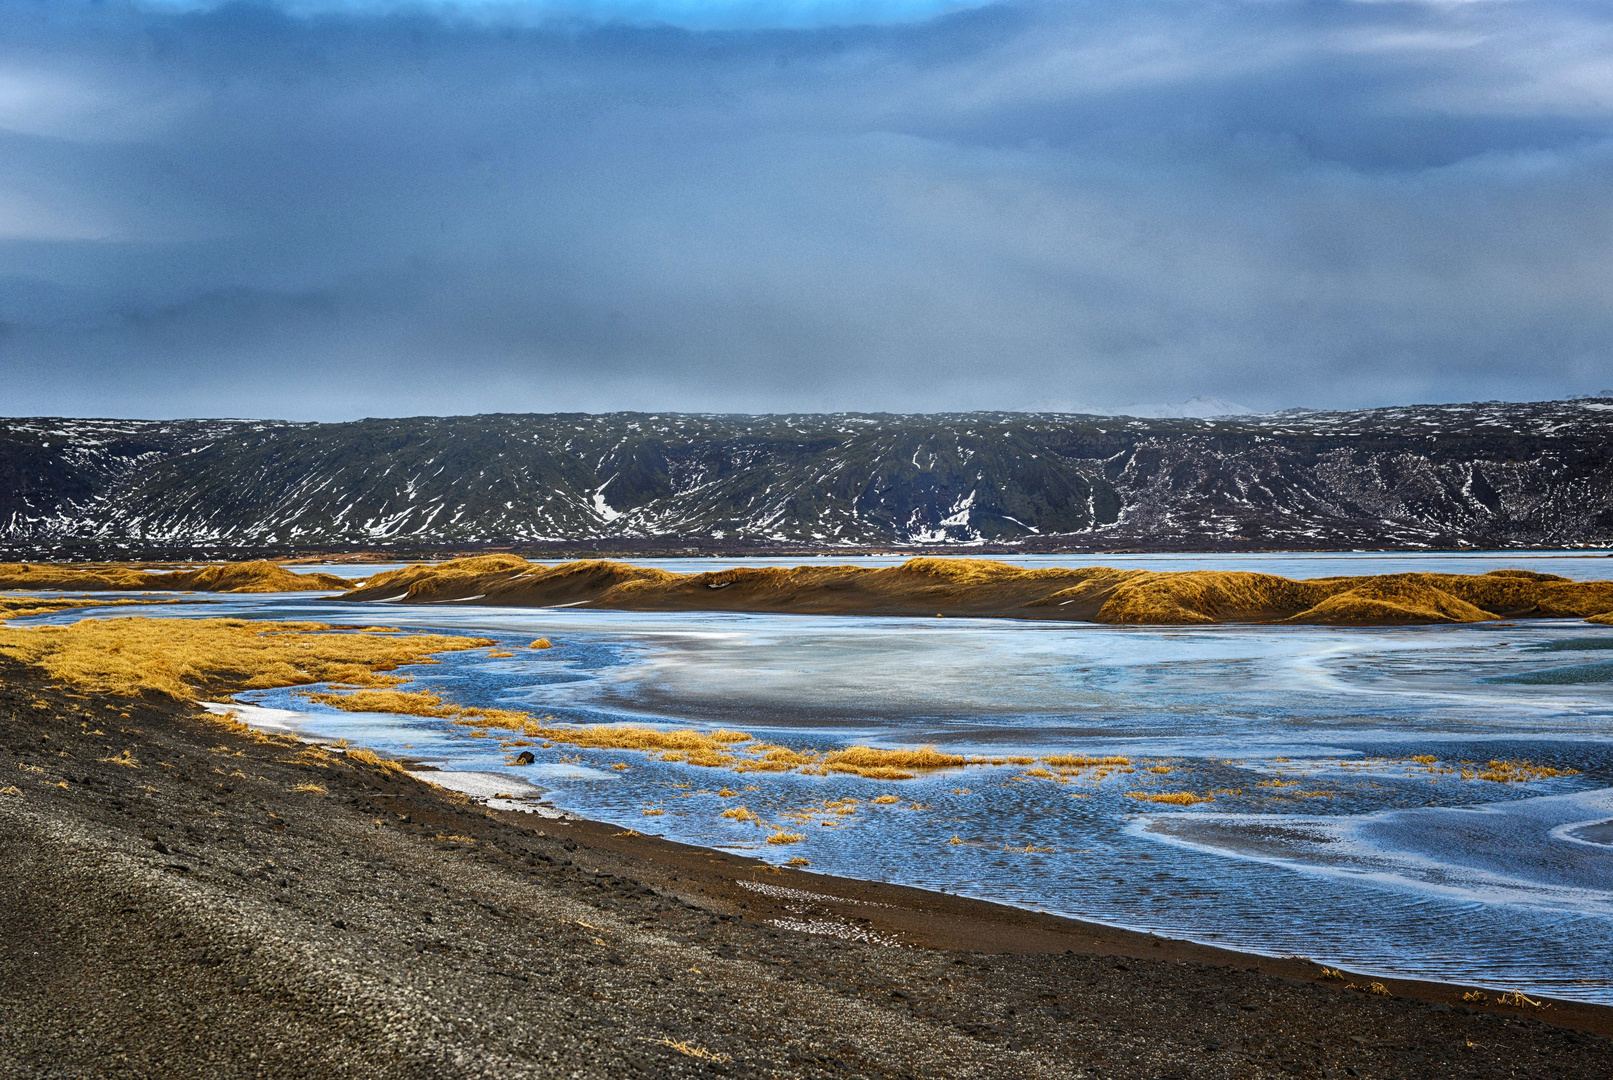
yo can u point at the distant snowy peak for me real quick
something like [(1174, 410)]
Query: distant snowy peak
[(1193, 408)]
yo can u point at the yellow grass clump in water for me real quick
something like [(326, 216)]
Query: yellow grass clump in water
[(1082, 761), (738, 813), (1519, 772), (858, 758), (886, 800), (184, 658), (782, 837), (1172, 798)]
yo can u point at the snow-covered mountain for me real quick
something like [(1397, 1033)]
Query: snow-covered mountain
[(1487, 474), (1204, 407)]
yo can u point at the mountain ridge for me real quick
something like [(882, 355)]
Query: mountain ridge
[(1487, 474)]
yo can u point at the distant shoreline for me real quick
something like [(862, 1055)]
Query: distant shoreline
[(698, 547)]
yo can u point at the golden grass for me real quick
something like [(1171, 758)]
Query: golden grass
[(310, 789), (370, 757), (1519, 999), (1516, 772), (541, 643), (20, 607), (858, 758), (931, 586), (797, 861), (692, 1050), (886, 800), (738, 813), (783, 837), (1171, 798), (185, 658), (1082, 761), (256, 576)]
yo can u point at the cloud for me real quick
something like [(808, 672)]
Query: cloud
[(354, 209)]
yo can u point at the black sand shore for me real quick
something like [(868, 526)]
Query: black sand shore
[(172, 905)]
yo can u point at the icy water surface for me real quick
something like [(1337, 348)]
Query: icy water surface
[(1348, 816)]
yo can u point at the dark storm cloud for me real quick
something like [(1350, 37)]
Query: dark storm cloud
[(239, 210)]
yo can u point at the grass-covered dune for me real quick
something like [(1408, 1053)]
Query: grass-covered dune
[(919, 586), (982, 587), (257, 576)]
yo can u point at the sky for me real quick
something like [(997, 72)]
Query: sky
[(328, 209)]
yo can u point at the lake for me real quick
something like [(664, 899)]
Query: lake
[(1350, 809)]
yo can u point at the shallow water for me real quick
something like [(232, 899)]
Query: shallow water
[(1324, 838)]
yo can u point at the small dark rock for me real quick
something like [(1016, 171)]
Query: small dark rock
[(525, 757)]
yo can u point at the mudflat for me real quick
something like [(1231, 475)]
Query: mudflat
[(185, 897)]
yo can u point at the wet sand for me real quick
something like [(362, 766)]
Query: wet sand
[(174, 905)]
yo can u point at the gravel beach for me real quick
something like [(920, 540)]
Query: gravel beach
[(182, 897)]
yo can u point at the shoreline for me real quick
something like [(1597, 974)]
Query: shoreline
[(906, 914), (186, 896), (914, 917)]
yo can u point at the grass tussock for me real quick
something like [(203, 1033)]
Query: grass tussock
[(1516, 772), (374, 760), (186, 658), (1170, 798), (310, 789), (1519, 999), (784, 837)]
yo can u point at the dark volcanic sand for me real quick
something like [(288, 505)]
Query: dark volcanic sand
[(195, 916)]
